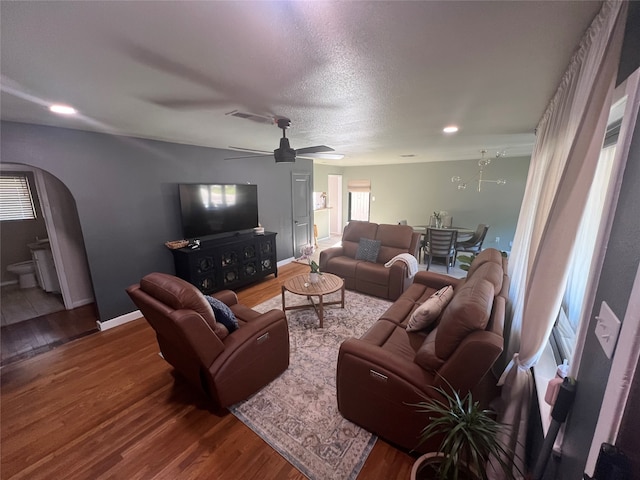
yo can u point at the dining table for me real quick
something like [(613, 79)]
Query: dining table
[(462, 232)]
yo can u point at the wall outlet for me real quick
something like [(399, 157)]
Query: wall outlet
[(497, 239)]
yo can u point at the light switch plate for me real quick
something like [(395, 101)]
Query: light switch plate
[(607, 329)]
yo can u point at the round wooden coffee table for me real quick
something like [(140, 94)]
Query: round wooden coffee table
[(300, 285)]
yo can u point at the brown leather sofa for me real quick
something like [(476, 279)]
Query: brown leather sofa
[(383, 374), (373, 278), (226, 367)]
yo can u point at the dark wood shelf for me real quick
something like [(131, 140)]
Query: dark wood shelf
[(228, 262)]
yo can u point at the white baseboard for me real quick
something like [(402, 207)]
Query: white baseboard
[(121, 320), (286, 261), (9, 282), (129, 317), (82, 303)]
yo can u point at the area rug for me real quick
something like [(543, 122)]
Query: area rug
[(297, 414)]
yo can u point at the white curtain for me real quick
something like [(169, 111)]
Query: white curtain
[(569, 140)]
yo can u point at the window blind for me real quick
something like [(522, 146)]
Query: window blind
[(16, 202), (359, 186)]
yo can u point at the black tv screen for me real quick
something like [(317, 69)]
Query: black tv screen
[(212, 209)]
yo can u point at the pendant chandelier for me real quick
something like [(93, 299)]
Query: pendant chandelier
[(482, 163)]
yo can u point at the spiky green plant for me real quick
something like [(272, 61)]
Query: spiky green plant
[(465, 261), (469, 436)]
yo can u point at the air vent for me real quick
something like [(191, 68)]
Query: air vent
[(251, 116)]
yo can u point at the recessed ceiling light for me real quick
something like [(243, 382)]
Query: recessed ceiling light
[(63, 109), (450, 129)]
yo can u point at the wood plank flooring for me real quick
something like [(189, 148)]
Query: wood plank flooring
[(37, 335), (107, 406)]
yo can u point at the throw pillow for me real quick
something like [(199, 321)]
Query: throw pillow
[(223, 313), (424, 316), (368, 250)]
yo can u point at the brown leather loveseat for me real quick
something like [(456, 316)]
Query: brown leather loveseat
[(226, 367), (372, 277), (383, 374)]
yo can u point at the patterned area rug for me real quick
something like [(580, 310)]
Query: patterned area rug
[(297, 414)]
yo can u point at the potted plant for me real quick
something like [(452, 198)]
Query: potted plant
[(469, 436), (307, 251)]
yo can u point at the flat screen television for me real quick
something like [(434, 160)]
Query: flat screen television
[(213, 209)]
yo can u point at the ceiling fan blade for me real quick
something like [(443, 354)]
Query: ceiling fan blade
[(258, 155), (314, 149), (322, 156), (242, 149), (188, 104)]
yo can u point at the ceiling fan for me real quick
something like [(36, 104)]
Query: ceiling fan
[(286, 154)]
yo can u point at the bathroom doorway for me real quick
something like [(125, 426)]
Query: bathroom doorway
[(60, 304)]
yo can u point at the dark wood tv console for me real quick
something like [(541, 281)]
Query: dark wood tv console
[(228, 262)]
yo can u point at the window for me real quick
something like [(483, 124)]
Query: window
[(359, 193), (565, 331), (16, 202)]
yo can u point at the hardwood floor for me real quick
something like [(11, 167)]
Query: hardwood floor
[(37, 335), (107, 406)]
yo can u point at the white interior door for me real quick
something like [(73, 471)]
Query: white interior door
[(301, 199)]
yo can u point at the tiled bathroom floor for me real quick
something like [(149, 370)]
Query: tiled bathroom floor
[(18, 304)]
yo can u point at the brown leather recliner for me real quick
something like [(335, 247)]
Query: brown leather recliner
[(227, 367)]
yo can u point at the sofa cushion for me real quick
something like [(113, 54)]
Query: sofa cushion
[(487, 255), (223, 313), (468, 311), (368, 250), (353, 232), (426, 314), (395, 239), (491, 272), (180, 295)]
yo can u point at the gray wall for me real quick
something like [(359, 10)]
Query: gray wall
[(614, 286), (126, 194), (413, 191)]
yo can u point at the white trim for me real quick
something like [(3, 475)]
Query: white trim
[(284, 262), (543, 371), (82, 302), (628, 88), (121, 320), (9, 282), (623, 368), (53, 238)]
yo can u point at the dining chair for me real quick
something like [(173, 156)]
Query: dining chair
[(473, 244), (440, 242)]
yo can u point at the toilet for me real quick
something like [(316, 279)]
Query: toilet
[(26, 273)]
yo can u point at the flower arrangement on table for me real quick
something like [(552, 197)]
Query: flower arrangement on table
[(439, 217), (307, 251)]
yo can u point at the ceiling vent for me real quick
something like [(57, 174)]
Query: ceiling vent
[(251, 116)]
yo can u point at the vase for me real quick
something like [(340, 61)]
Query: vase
[(438, 223), (314, 277)]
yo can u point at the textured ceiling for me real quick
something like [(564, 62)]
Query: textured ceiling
[(374, 80)]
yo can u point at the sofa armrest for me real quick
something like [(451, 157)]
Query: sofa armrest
[(254, 355), (437, 280), (389, 362), (328, 254), (473, 358), (227, 297), (398, 279), (197, 333)]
